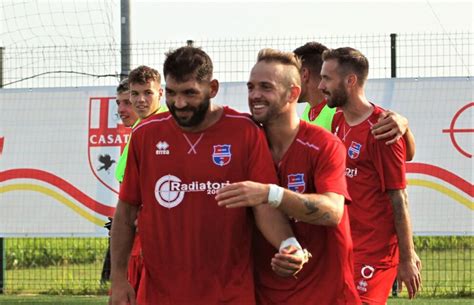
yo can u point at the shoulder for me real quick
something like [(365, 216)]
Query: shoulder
[(150, 122), (241, 118), (317, 137), (372, 120), (377, 111), (338, 118)]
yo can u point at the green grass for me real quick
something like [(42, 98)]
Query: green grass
[(428, 301), (72, 266), (43, 252), (53, 300), (74, 279), (102, 300)]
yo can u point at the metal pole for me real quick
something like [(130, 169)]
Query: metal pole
[(393, 54), (125, 47), (3, 265), (3, 262), (1, 66)]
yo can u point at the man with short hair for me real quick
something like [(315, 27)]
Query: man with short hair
[(310, 163), (129, 118), (195, 252), (390, 125), (140, 98), (145, 91), (124, 105), (380, 220)]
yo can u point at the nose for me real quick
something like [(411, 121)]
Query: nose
[(321, 85), (180, 102), (138, 98), (254, 94)]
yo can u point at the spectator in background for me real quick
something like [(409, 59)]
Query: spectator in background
[(129, 118)]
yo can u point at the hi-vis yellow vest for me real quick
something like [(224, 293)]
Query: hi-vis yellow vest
[(324, 119), (122, 162)]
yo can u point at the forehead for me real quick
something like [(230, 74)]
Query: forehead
[(123, 95), (329, 66), (150, 84), (271, 72), (192, 83)]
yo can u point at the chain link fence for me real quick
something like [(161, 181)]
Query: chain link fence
[(74, 265), (405, 55)]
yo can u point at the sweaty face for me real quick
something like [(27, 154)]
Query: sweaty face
[(267, 92), (125, 109), (145, 98), (332, 84), (188, 102)]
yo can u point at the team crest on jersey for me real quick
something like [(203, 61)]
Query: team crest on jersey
[(221, 155), (296, 183), (106, 140), (354, 150)]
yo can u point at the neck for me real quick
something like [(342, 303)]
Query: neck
[(315, 97), (281, 132), (357, 109), (214, 113), (152, 113)]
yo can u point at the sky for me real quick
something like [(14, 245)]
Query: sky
[(229, 19), (42, 25), (53, 22)]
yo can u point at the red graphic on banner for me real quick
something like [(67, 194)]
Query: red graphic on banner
[(65, 186), (452, 130), (107, 139)]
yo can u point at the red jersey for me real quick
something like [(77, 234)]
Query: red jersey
[(195, 252), (372, 168), (314, 163), (316, 110)]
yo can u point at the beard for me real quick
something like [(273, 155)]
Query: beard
[(336, 99), (197, 116), (272, 112)]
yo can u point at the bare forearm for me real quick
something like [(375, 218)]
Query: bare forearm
[(319, 209), (410, 145), (402, 221), (273, 224), (123, 232)]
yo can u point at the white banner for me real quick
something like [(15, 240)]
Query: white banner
[(59, 148)]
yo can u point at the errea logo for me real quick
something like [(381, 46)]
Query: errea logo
[(162, 148)]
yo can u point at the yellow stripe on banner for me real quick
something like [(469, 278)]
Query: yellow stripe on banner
[(433, 185), (55, 195)]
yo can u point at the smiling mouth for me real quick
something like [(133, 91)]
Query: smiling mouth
[(259, 106)]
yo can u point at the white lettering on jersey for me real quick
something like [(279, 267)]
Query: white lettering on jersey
[(170, 190), (351, 172), (162, 148)]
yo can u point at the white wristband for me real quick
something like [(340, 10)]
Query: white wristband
[(290, 242), (275, 195)]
